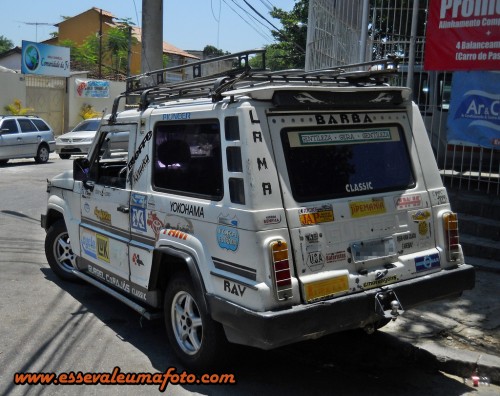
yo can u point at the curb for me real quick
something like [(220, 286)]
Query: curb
[(461, 363)]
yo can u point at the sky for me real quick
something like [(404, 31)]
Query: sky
[(187, 24)]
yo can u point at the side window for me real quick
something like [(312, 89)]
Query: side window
[(27, 125), (9, 126), (109, 167), (41, 125), (188, 158)]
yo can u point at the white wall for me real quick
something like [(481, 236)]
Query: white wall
[(12, 86), (75, 103)]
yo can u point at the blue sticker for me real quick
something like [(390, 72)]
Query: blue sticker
[(88, 242), (228, 237), (139, 200), (138, 218), (427, 263)]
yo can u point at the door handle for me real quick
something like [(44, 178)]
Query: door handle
[(123, 209)]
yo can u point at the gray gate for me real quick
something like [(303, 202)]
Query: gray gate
[(47, 96)]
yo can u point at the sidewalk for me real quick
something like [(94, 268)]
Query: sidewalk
[(461, 335)]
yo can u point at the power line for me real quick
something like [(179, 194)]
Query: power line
[(244, 20)]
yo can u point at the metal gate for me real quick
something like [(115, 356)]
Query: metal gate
[(397, 27), (47, 96)]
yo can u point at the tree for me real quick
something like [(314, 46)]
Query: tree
[(290, 48), (5, 44), (210, 50)]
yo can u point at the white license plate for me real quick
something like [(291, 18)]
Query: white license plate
[(373, 249)]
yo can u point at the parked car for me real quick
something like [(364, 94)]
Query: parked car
[(25, 137), (78, 140)]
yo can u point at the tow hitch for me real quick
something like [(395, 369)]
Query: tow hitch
[(387, 305)]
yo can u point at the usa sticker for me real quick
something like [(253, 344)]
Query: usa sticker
[(138, 218), (427, 263)]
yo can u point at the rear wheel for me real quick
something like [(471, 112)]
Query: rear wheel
[(196, 339), (64, 156), (58, 251), (42, 155)]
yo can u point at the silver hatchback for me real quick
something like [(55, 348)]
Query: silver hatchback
[(78, 140), (25, 137)]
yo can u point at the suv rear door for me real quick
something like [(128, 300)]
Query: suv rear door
[(355, 199)]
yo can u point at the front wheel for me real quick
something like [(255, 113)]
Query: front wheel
[(58, 251), (42, 155), (196, 339)]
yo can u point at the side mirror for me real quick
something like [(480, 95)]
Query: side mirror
[(81, 169)]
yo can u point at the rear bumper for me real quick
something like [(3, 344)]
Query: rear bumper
[(272, 329)]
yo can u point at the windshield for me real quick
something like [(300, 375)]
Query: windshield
[(89, 125), (332, 163)]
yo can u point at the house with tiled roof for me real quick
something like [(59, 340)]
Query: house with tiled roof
[(79, 27)]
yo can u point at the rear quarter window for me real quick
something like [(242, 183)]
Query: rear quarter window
[(41, 125), (334, 163)]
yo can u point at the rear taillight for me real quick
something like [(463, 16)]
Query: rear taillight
[(450, 223), (281, 270)]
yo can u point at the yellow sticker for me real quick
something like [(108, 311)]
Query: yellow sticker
[(367, 208), (423, 228), (316, 215), (102, 248), (325, 288)]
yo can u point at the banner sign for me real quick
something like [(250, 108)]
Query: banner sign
[(44, 59), (474, 114), (463, 35), (91, 88)]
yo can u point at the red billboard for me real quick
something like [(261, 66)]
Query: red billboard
[(463, 35)]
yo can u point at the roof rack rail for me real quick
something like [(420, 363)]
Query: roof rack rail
[(152, 87)]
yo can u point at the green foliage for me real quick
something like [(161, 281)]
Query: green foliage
[(115, 44), (16, 108), (87, 111), (289, 51), (210, 50), (5, 44)]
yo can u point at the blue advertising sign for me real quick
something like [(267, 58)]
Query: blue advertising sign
[(44, 59), (474, 114)]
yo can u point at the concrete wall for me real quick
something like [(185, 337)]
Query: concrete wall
[(74, 102), (12, 86)]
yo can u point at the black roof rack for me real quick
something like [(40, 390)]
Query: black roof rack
[(152, 87)]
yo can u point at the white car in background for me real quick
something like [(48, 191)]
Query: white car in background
[(78, 140)]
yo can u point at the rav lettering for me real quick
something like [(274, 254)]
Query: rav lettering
[(234, 288)]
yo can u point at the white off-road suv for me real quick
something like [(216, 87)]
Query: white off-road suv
[(260, 208)]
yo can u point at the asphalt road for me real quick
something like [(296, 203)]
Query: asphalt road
[(47, 325)]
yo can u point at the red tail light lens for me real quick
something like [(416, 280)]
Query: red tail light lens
[(281, 270), (450, 223)]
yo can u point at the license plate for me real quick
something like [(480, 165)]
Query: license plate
[(326, 288), (373, 249)]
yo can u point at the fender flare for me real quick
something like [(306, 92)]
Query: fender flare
[(191, 265)]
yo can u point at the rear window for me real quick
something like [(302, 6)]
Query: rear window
[(41, 125), (333, 163)]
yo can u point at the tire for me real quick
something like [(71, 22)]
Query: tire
[(42, 155), (58, 251), (64, 156), (196, 339)]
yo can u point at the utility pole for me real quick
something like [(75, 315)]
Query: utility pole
[(152, 35)]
